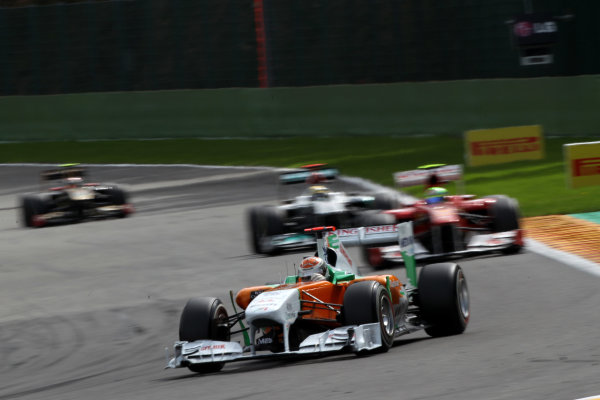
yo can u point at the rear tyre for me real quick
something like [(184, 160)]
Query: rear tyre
[(264, 222), (118, 197), (505, 217), (368, 302), (30, 207), (204, 318), (444, 299), (386, 201)]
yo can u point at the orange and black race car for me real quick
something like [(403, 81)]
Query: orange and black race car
[(72, 199), (341, 312)]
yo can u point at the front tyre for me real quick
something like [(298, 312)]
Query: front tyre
[(505, 213), (31, 206), (118, 197), (444, 299), (369, 302), (505, 217), (264, 222), (204, 318)]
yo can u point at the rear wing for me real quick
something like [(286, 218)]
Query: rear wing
[(400, 234), (62, 173), (395, 234), (314, 173), (430, 175)]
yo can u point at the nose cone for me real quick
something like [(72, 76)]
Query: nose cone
[(279, 306)]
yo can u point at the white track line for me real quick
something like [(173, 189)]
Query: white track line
[(569, 259)]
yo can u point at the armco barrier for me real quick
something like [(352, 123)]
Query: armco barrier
[(565, 106)]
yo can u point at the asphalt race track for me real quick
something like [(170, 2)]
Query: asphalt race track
[(86, 310)]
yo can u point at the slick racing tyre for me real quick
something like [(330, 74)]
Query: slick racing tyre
[(204, 318), (444, 299), (31, 206), (505, 214), (505, 217), (118, 197), (264, 222), (386, 201), (368, 302)]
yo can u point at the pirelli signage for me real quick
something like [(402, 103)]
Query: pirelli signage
[(502, 145), (582, 161)]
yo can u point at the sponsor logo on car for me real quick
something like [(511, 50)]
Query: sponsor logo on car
[(264, 340), (213, 347)]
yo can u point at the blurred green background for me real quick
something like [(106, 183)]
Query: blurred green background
[(371, 87), (539, 185)]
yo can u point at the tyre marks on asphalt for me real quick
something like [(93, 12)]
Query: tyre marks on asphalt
[(83, 349)]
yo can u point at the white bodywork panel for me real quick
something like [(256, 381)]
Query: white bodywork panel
[(281, 306), (331, 203)]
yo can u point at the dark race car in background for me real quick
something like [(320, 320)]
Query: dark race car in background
[(453, 226), (71, 199), (281, 227)]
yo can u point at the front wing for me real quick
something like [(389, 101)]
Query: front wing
[(289, 241), (349, 338), (478, 244), (97, 212)]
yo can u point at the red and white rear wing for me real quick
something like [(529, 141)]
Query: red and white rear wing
[(417, 177)]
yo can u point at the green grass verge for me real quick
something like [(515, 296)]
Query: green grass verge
[(540, 186)]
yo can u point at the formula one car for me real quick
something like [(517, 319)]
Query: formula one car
[(73, 199), (445, 226), (342, 312), (276, 228)]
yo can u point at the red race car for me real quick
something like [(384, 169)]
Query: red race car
[(445, 226)]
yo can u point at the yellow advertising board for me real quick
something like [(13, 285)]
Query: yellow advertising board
[(582, 161), (502, 145)]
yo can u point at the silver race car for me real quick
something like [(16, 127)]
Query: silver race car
[(276, 228)]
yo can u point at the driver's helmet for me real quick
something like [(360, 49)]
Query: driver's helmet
[(74, 181), (315, 178), (312, 269), (318, 192), (435, 195)]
